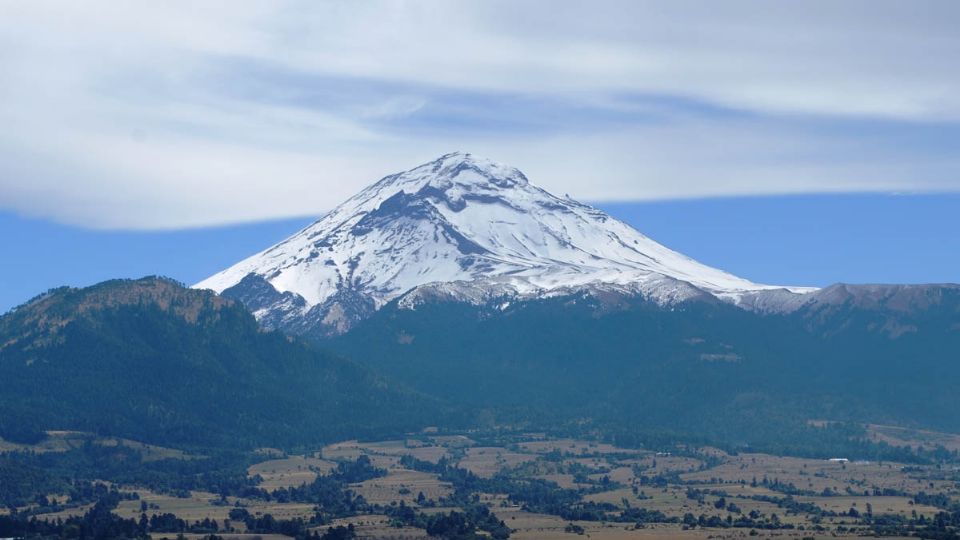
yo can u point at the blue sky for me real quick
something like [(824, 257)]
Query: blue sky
[(796, 240), (141, 119)]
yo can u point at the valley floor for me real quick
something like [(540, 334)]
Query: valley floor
[(585, 488)]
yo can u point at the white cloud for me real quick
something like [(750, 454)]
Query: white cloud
[(172, 114)]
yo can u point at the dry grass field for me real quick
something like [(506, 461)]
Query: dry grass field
[(227, 536), (69, 512), (818, 475), (63, 441), (425, 451), (346, 450), (565, 481), (402, 485), (376, 526), (486, 461), (431, 449), (694, 482), (291, 471), (879, 505), (898, 436), (201, 505), (529, 526), (452, 441), (572, 447), (749, 481), (198, 506)]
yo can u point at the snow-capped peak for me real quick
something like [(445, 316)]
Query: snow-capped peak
[(461, 218), (460, 169)]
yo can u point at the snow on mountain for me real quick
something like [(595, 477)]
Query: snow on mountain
[(470, 227)]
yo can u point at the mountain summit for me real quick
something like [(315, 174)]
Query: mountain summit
[(473, 225)]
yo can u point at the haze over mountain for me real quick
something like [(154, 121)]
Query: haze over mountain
[(464, 226)]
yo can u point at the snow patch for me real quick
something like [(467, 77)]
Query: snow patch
[(475, 230)]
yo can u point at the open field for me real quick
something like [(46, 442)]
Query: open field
[(674, 495), (63, 441), (572, 446), (546, 527), (376, 526), (228, 536), (290, 471), (898, 436), (879, 505), (431, 449), (487, 461), (402, 485), (818, 475), (201, 505)]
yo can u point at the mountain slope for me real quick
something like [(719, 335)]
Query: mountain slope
[(153, 361), (463, 219), (624, 364)]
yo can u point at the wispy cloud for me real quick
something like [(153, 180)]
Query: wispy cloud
[(154, 115)]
